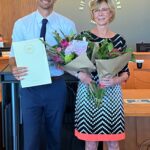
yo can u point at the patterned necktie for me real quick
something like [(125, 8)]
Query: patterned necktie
[(43, 28)]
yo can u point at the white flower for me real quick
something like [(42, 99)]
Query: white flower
[(84, 39)]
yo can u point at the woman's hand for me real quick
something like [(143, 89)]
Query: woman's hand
[(84, 77), (107, 82), (19, 72), (111, 81)]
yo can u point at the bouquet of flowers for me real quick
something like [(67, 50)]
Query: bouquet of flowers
[(95, 91), (109, 61), (70, 53)]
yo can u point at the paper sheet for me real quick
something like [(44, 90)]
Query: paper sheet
[(32, 54)]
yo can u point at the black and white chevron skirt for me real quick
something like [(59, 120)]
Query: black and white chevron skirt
[(105, 123)]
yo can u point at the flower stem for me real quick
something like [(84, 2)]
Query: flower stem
[(97, 93)]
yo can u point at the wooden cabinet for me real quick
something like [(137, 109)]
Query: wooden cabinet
[(137, 118), (139, 78)]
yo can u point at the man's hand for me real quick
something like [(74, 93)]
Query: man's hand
[(19, 72)]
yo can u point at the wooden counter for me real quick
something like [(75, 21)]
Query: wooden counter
[(4, 58), (137, 121), (3, 61), (139, 78), (136, 109), (142, 55)]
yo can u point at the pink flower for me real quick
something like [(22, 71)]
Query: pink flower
[(101, 85), (64, 43), (57, 59), (58, 49)]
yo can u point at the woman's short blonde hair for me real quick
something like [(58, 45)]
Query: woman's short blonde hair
[(95, 4)]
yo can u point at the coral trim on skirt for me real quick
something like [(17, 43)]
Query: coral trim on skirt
[(99, 137)]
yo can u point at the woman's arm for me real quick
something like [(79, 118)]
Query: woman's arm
[(84, 77)]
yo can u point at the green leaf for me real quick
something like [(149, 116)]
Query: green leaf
[(57, 37), (128, 50), (69, 58), (110, 47), (133, 59)]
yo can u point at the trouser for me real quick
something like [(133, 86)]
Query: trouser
[(36, 102)]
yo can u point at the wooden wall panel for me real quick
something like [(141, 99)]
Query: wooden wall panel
[(10, 11), (143, 128)]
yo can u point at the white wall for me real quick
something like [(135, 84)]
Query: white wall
[(132, 20)]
